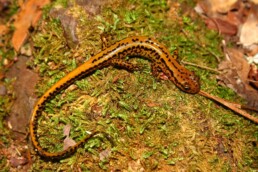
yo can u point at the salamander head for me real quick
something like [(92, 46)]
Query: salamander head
[(188, 82)]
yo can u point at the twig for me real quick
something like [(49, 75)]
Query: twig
[(233, 106), (252, 81), (202, 67)]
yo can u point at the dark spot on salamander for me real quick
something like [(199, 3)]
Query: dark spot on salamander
[(100, 57), (94, 60), (135, 40)]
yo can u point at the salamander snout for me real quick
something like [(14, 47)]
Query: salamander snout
[(190, 84)]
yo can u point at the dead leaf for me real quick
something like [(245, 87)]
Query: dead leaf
[(234, 74), (222, 26), (253, 76), (255, 58), (92, 8), (104, 154), (255, 1), (213, 7), (66, 130), (18, 161), (252, 52), (28, 16), (69, 24), (221, 6), (16, 155), (249, 31), (24, 87), (226, 16), (68, 142)]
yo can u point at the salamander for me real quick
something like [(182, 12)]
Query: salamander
[(161, 62)]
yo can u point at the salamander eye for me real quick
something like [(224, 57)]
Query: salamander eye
[(186, 86)]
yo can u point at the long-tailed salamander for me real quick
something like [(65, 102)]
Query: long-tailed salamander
[(161, 61)]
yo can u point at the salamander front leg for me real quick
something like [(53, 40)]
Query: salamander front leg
[(106, 40), (124, 64), (175, 54), (157, 72)]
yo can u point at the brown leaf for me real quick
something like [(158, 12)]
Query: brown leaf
[(221, 6), (104, 154), (222, 26), (235, 70), (92, 7), (224, 16), (212, 7), (253, 76), (252, 52), (249, 31), (24, 88), (68, 142), (66, 130), (18, 161), (28, 16), (69, 24)]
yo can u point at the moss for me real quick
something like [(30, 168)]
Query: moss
[(148, 120)]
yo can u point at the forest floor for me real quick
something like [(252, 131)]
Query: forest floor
[(151, 124)]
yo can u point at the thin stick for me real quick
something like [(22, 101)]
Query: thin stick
[(233, 106), (199, 66)]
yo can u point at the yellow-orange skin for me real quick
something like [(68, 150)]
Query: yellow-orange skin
[(146, 47)]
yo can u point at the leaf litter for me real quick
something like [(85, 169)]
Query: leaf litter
[(68, 142), (237, 22), (29, 15), (225, 27)]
